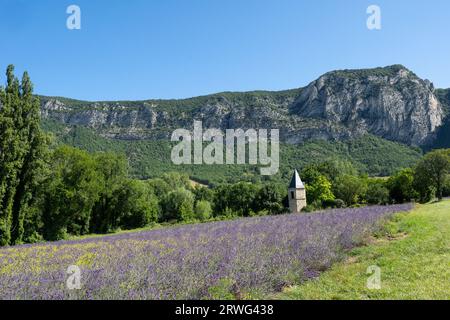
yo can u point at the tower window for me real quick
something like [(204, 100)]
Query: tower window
[(292, 195)]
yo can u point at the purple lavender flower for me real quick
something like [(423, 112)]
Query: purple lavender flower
[(246, 256)]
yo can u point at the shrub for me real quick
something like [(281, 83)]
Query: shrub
[(339, 203), (431, 173), (270, 200), (239, 198), (135, 206), (349, 188), (159, 187), (319, 189), (401, 187), (335, 203), (178, 205), (130, 205), (314, 206), (203, 210), (177, 180), (377, 192), (203, 193)]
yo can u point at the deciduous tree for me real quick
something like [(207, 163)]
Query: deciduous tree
[(432, 171)]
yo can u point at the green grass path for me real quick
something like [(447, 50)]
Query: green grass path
[(414, 262)]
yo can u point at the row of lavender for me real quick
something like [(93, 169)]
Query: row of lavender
[(242, 258)]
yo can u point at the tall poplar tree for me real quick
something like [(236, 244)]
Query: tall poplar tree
[(22, 146)]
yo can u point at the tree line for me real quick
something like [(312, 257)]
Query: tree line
[(84, 193), (337, 183), (50, 191)]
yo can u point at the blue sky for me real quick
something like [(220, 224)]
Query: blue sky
[(141, 49)]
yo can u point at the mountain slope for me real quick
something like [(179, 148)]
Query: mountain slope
[(372, 118), (391, 103), (444, 97), (151, 158), (443, 133)]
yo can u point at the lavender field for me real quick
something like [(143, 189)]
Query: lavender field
[(232, 259)]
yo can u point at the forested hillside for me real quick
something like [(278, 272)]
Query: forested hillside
[(151, 158)]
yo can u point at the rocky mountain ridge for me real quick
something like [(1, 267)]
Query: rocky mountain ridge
[(391, 102)]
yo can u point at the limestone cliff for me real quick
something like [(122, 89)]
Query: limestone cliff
[(390, 102)]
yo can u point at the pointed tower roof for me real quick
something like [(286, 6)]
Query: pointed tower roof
[(296, 182)]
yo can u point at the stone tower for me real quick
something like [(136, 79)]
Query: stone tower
[(296, 194)]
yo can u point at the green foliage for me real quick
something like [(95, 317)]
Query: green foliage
[(71, 191), (133, 206), (431, 173), (22, 150), (380, 157), (239, 198), (350, 189), (446, 188), (338, 203), (203, 210), (177, 180), (319, 190), (178, 205), (330, 169), (112, 169), (223, 290), (91, 193), (203, 193), (151, 158), (310, 174), (311, 207), (159, 187), (377, 192), (401, 187), (269, 198), (363, 74)]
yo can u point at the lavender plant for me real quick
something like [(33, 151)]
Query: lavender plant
[(238, 259)]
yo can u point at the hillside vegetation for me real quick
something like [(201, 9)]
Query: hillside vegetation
[(149, 158)]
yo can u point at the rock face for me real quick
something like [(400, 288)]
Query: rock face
[(392, 103), (444, 97), (389, 102)]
